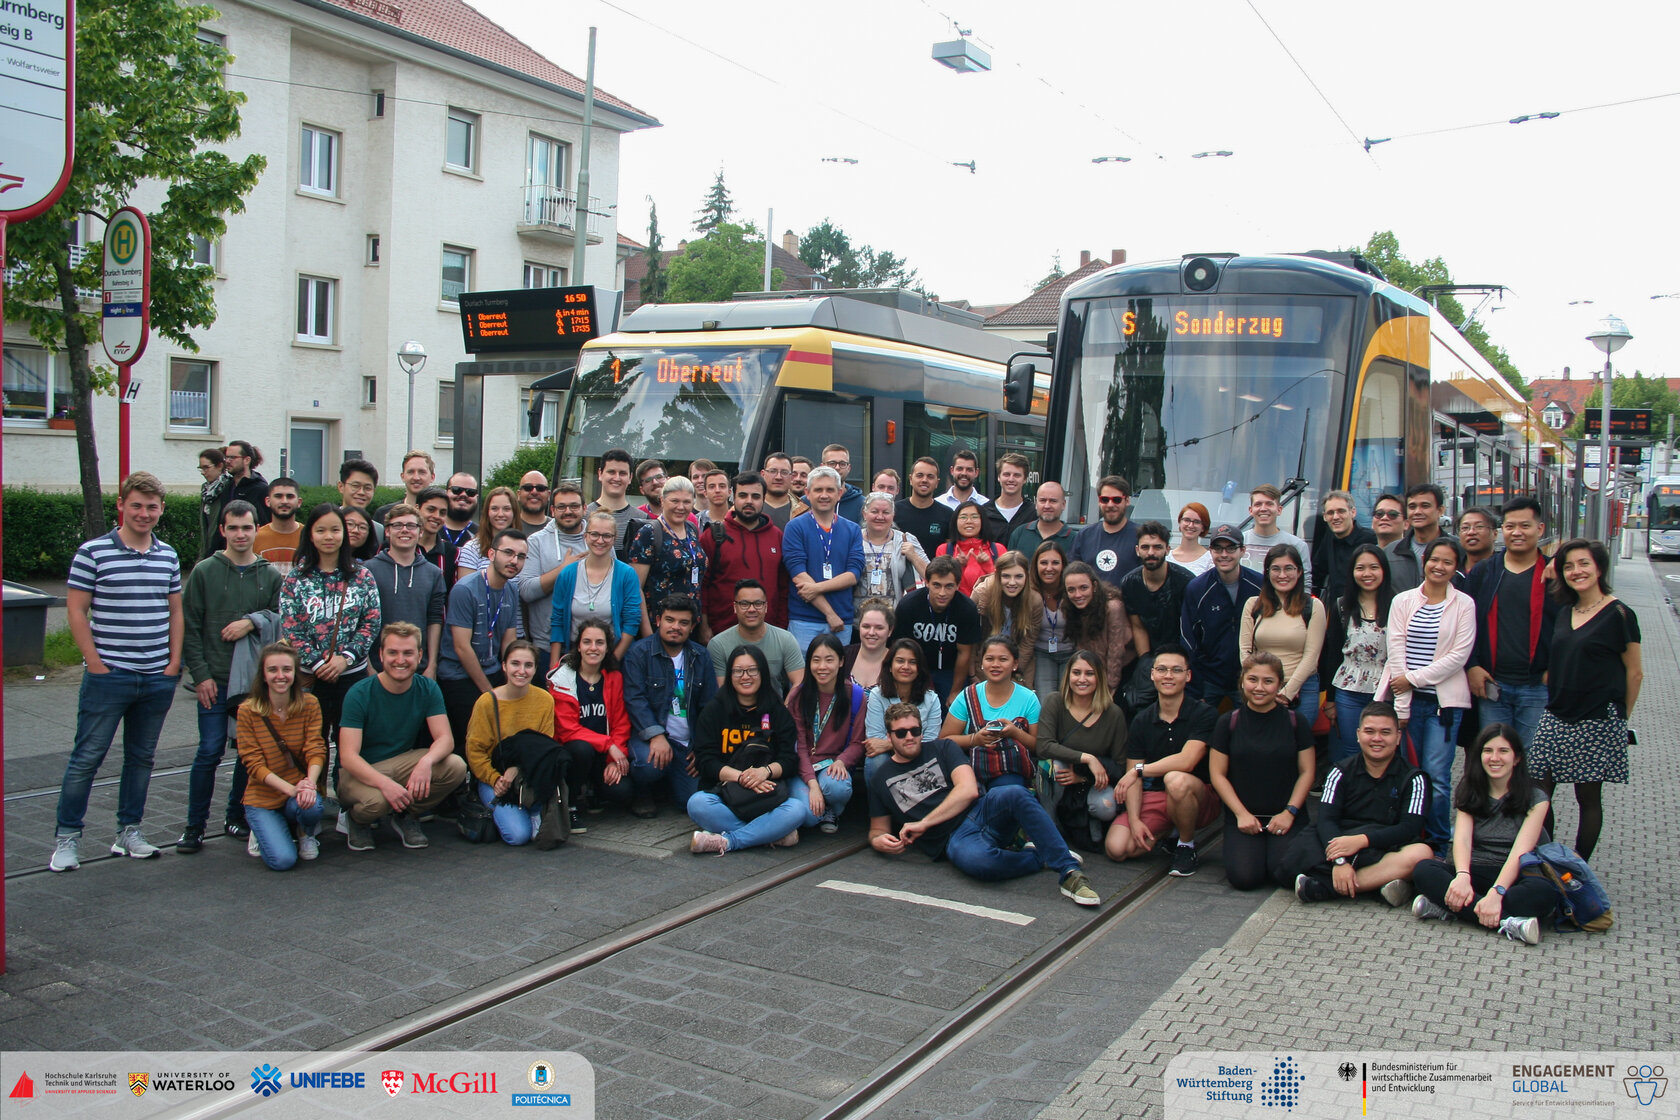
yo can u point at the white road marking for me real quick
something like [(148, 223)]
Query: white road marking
[(1009, 916)]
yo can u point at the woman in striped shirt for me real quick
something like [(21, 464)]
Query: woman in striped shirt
[(1431, 632)]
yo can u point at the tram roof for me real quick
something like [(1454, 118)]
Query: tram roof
[(1277, 274), (883, 316)]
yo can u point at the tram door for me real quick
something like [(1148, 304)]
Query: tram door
[(809, 424)]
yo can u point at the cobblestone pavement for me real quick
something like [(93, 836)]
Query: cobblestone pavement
[(1361, 975)]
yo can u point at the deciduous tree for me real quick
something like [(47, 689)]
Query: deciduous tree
[(713, 268)]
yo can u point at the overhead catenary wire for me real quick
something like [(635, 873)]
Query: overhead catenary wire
[(1322, 96)]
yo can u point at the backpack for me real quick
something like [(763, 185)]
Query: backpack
[(1583, 905), (1004, 757), (1294, 718)]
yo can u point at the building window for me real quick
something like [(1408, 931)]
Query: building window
[(205, 250), (457, 273), (370, 392), (37, 384), (191, 383), (373, 248), (446, 410), (211, 38), (543, 276), (377, 109), (318, 161), (315, 309), (461, 140)]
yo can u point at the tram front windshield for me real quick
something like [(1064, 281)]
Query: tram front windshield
[(1664, 507), (675, 404), (1202, 398)]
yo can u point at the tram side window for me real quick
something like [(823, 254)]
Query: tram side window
[(1377, 449), (938, 430), (1028, 440), (809, 424)]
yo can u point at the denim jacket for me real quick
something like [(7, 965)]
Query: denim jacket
[(650, 681)]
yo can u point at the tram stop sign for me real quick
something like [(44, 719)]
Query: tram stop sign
[(37, 106), (126, 305)]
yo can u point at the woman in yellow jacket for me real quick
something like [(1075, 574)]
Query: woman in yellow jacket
[(281, 746), (499, 715)]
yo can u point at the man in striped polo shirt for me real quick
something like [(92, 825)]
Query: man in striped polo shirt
[(125, 616)]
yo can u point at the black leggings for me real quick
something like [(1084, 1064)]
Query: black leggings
[(1529, 897), (1589, 799), (577, 766), (1260, 860)]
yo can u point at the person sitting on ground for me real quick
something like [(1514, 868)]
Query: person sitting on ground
[(512, 752), (828, 712), (1501, 817), (385, 776), (866, 659), (1007, 711), (588, 693), (1167, 783), (745, 747), (668, 681), (752, 606), (1009, 606), (1370, 820), (927, 797), (1250, 769), (1083, 732), (281, 746), (906, 682)]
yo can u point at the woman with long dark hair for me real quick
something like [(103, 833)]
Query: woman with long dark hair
[(906, 681), (359, 536), (745, 738), (1358, 629), (497, 511), (974, 554), (1596, 668), (1051, 647), (1284, 619), (828, 713), (329, 613), (280, 744), (588, 691), (1007, 710), (1261, 764), (1501, 817), (1096, 618)]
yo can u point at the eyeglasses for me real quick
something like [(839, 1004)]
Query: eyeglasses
[(905, 732), (464, 491), (777, 471), (743, 674), (600, 536), (1283, 569), (653, 478), (1386, 514), (1169, 670), (510, 554), (838, 466), (402, 527), (1225, 549), (568, 507), (1111, 501), (752, 604), (531, 488)]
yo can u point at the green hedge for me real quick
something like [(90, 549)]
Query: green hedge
[(536, 457)]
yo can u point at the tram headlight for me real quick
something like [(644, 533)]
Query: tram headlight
[(1200, 274)]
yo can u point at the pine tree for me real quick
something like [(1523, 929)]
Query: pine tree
[(715, 208), (656, 280)]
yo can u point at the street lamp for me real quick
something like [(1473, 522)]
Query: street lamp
[(1610, 335), (412, 357)]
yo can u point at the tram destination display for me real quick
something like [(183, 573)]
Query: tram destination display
[(523, 320)]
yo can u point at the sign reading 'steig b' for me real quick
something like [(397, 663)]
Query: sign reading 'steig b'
[(37, 104), (126, 307)]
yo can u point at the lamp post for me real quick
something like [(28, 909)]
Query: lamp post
[(412, 357), (1610, 335)]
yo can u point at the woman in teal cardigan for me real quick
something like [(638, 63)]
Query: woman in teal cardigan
[(600, 586)]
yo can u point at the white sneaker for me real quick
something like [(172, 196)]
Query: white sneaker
[(129, 842), (252, 848), (309, 848), (1396, 892), (1525, 930), (65, 856)]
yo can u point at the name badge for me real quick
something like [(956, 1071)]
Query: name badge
[(676, 705), (1052, 645), (694, 577), (828, 572), (878, 582)]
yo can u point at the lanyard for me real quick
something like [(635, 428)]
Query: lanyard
[(678, 665), (821, 719), (492, 616)]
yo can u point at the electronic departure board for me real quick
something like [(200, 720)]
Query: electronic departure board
[(528, 319)]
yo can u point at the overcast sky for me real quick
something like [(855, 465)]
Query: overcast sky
[(1580, 207)]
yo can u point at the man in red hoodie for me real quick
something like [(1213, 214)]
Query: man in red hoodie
[(744, 545)]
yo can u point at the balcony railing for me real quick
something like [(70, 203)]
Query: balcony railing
[(77, 254), (555, 208)]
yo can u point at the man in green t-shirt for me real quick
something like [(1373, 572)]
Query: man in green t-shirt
[(384, 773)]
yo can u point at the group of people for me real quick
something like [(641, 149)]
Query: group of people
[(758, 647)]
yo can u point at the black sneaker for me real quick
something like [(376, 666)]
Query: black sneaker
[(191, 840), (1184, 861), (1308, 889), (237, 829), (644, 808), (578, 827)]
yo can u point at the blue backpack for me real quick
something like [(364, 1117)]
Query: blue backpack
[(1583, 904)]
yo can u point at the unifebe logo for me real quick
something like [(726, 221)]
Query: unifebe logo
[(392, 1079), (265, 1080)]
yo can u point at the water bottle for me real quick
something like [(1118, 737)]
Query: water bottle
[(1570, 885)]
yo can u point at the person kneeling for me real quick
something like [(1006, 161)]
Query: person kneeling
[(746, 749), (281, 746), (929, 797), (384, 774), (1370, 820), (512, 752)]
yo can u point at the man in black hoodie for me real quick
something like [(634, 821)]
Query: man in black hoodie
[(1332, 551), (241, 460), (410, 588)]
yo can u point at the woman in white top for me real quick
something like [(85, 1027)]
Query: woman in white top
[(496, 514), (1191, 552), (1051, 646), (893, 560), (866, 658)]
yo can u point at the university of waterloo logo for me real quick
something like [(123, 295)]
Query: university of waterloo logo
[(137, 1083)]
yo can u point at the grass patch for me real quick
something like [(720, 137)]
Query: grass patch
[(60, 651)]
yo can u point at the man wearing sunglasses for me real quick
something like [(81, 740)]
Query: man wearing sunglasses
[(925, 797), (1110, 545), (458, 523), (1388, 519), (533, 502)]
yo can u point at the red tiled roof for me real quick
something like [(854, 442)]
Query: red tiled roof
[(629, 243), (1041, 308), (455, 24)]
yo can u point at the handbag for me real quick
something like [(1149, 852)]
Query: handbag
[(1001, 758), (745, 803), (475, 821)]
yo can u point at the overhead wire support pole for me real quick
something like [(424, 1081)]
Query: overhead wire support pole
[(580, 209)]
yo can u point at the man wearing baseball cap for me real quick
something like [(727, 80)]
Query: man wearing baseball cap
[(1213, 606)]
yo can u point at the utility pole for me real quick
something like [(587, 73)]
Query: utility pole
[(580, 210)]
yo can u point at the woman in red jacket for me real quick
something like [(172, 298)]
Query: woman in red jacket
[(976, 554), (589, 713)]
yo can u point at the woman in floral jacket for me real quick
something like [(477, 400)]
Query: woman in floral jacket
[(329, 613)]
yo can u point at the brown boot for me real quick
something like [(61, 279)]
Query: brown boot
[(551, 832)]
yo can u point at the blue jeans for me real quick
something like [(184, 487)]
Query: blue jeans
[(1434, 732), (1344, 742), (138, 701), (1306, 704), (707, 810), (273, 830), (836, 795), (644, 775), (982, 845), (804, 631), (516, 825), (1519, 705), (212, 744)]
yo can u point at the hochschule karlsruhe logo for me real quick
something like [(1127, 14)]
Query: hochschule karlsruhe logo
[(1645, 1083), (265, 1080)]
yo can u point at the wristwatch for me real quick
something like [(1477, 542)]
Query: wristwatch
[(1341, 861), (1294, 812), (1499, 890), (1139, 769)]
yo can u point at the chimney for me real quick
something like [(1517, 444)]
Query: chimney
[(1566, 373), (1117, 256), (790, 242), (1084, 257)]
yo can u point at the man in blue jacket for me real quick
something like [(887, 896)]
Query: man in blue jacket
[(1212, 616), (668, 679)]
